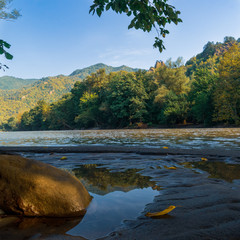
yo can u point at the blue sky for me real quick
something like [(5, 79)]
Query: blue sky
[(58, 36)]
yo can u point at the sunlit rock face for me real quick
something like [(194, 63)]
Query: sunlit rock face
[(33, 188)]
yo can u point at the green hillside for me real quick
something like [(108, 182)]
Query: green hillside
[(210, 56), (50, 89), (82, 73), (8, 82)]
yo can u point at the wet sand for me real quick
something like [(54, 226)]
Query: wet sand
[(120, 149), (208, 205)]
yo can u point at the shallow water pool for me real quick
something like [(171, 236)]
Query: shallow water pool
[(116, 196)]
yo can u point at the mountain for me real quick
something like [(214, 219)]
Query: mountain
[(82, 73), (8, 82), (50, 89)]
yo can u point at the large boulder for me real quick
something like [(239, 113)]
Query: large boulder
[(33, 188)]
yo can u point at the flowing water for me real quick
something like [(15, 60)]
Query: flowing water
[(227, 138)]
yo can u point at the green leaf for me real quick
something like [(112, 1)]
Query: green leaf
[(146, 14), (7, 45), (108, 6), (99, 12), (8, 56), (129, 13)]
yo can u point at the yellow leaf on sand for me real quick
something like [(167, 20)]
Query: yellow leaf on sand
[(164, 212), (204, 159), (171, 168), (63, 158), (165, 147)]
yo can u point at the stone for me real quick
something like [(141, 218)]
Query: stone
[(33, 188)]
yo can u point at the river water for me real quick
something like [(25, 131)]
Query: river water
[(195, 138)]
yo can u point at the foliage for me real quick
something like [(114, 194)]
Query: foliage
[(210, 56), (83, 73), (8, 83), (201, 96), (5, 14), (162, 95), (227, 94), (171, 77), (175, 109), (36, 118), (173, 85), (116, 100), (126, 99), (146, 15), (50, 89)]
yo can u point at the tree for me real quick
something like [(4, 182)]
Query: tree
[(90, 96), (11, 124), (62, 113), (88, 111), (5, 14), (147, 14), (126, 99), (171, 77), (36, 118), (201, 95), (227, 94), (175, 109), (230, 39)]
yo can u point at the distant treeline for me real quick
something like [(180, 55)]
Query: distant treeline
[(205, 91)]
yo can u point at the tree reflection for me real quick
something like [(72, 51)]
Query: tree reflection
[(102, 181), (220, 170)]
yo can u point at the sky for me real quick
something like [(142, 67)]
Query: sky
[(55, 37)]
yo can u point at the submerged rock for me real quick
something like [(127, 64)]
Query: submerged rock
[(32, 188)]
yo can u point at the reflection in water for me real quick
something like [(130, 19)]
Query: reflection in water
[(107, 212), (102, 181), (117, 196), (16, 228), (220, 170), (184, 138)]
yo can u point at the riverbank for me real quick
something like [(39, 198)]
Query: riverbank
[(206, 193), (120, 149)]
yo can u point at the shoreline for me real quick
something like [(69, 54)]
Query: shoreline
[(180, 126), (119, 149), (207, 208)]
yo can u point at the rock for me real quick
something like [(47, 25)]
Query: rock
[(32, 188)]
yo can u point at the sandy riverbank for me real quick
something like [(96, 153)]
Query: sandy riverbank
[(119, 149), (208, 208)]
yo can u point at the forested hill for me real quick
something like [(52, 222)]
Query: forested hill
[(15, 101), (82, 73), (210, 56), (8, 82)]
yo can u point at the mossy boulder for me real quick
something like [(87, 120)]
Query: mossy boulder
[(32, 188)]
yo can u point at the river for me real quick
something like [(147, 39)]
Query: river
[(193, 138)]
